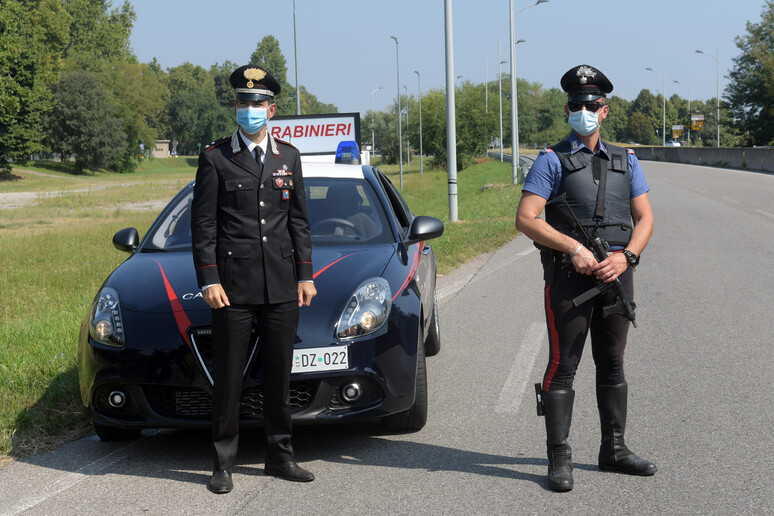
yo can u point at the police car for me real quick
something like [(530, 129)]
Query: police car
[(145, 356)]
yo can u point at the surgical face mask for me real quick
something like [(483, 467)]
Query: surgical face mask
[(251, 119), (583, 122)]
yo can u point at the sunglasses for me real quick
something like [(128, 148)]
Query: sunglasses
[(590, 106)]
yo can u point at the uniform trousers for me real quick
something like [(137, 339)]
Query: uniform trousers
[(568, 327), (231, 334)]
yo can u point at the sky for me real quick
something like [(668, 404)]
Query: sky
[(345, 50)]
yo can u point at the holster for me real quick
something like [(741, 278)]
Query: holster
[(549, 266), (552, 261)]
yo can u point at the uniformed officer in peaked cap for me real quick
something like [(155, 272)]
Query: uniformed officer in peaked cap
[(252, 252), (605, 188)]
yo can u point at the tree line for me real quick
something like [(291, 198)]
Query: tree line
[(71, 85)]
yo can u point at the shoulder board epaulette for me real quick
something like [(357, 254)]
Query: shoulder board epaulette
[(216, 143), (285, 143)]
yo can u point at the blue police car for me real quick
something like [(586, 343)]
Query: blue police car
[(145, 356)]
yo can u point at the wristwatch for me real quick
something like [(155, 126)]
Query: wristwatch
[(632, 258)]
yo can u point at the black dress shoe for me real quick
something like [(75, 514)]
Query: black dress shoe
[(220, 482), (289, 471)]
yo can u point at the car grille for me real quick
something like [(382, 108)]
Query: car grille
[(193, 403), (201, 343)]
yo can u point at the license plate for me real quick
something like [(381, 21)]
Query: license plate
[(320, 359)]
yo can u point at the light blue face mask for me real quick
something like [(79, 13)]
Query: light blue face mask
[(583, 122), (251, 119)]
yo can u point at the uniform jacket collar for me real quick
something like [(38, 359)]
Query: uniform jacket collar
[(241, 156), (576, 145)]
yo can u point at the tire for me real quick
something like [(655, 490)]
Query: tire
[(414, 419), (112, 433), (433, 340)]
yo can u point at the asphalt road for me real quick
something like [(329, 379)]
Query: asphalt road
[(699, 370)]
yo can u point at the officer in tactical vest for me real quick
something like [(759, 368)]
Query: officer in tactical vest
[(601, 188), (252, 250)]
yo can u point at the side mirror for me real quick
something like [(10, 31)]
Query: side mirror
[(424, 228), (126, 240)]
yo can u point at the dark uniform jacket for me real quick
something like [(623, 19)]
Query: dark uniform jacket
[(250, 228)]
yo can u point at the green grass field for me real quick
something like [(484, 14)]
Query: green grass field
[(57, 250)]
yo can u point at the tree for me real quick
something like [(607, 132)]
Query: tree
[(138, 96), (83, 123), (98, 34), (32, 36), (268, 56), (614, 128), (750, 92), (640, 129), (196, 116)]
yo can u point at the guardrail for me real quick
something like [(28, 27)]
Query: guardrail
[(749, 158), (760, 159)]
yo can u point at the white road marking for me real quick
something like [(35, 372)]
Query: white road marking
[(765, 213), (69, 480), (513, 390)]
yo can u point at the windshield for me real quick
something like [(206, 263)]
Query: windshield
[(340, 211)]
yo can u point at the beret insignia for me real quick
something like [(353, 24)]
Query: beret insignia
[(584, 72), (253, 74)]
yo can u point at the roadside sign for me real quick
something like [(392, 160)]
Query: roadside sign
[(317, 134), (677, 132), (697, 122)]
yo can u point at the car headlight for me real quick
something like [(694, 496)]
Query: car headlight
[(367, 309), (106, 326)]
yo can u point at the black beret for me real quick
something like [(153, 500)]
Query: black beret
[(584, 83), (252, 82)]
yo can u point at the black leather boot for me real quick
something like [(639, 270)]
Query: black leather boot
[(613, 453), (557, 407)]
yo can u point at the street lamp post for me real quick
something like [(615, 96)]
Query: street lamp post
[(408, 141), (717, 84), (421, 157), (500, 89), (451, 130), (514, 103), (373, 142), (663, 94), (295, 48), (400, 125)]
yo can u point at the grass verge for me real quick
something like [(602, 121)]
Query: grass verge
[(56, 252)]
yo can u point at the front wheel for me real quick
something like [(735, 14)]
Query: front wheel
[(112, 433), (414, 419)]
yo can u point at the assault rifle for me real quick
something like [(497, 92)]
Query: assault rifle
[(598, 248)]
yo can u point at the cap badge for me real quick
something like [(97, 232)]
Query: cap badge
[(253, 73), (585, 73)]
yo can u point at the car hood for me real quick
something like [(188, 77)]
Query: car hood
[(162, 282)]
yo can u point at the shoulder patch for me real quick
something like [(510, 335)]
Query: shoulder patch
[(547, 150), (283, 142), (216, 143), (630, 151)]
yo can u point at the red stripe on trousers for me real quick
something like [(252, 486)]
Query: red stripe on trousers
[(553, 337)]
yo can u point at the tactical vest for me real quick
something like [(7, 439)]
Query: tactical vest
[(598, 191)]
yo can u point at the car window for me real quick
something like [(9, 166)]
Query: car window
[(173, 232), (345, 210), (399, 206)]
